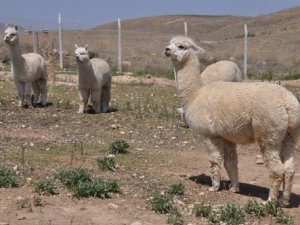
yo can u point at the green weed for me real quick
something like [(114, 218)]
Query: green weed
[(107, 163), (232, 214), (176, 189), (203, 210), (8, 178), (252, 207), (119, 146), (37, 201), (175, 218), (46, 187), (161, 204)]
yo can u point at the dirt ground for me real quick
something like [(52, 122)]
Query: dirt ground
[(161, 153)]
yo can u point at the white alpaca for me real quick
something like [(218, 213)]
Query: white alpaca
[(94, 80), (230, 113), (28, 70), (219, 71)]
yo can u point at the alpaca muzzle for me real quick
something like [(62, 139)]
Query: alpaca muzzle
[(168, 52)]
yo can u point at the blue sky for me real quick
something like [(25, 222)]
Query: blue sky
[(79, 14)]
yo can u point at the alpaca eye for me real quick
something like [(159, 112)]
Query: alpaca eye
[(12, 34), (181, 47)]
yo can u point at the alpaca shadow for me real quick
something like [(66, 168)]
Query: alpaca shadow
[(250, 190), (40, 105), (90, 110)]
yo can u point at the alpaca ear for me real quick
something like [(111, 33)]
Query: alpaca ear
[(198, 49), (86, 47), (16, 27), (76, 46)]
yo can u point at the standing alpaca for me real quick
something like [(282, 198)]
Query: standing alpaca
[(230, 113), (94, 79), (28, 71)]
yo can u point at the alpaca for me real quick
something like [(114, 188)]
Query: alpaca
[(28, 71), (230, 113), (93, 80), (219, 71)]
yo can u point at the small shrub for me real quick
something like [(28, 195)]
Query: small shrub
[(161, 204), (273, 207), (46, 187), (213, 218), (267, 76), (203, 210), (37, 201), (119, 146), (292, 76), (107, 163), (8, 178), (71, 178), (80, 183), (176, 189), (175, 218), (252, 207), (284, 218), (24, 203), (232, 214), (98, 189)]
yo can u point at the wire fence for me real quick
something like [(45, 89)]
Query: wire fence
[(142, 50)]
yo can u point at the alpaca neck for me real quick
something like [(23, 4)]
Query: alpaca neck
[(16, 56), (85, 67), (188, 79)]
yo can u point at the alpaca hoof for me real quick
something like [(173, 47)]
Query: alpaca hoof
[(213, 189), (234, 189)]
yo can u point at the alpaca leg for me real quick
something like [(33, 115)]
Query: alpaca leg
[(27, 95), (287, 157), (84, 97), (215, 152), (230, 164), (36, 91), (44, 91), (276, 168), (105, 98), (20, 86), (95, 98)]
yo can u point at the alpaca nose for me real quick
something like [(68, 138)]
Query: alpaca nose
[(167, 51)]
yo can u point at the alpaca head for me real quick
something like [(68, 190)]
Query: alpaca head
[(81, 54), (11, 35), (180, 48)]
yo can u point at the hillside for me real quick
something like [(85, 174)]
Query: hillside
[(273, 40)]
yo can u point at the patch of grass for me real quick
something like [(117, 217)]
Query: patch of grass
[(202, 210), (176, 189), (23, 203), (8, 178), (46, 187), (37, 201), (107, 163), (71, 178), (232, 214), (272, 208), (80, 183), (252, 207), (98, 189), (161, 204), (119, 146), (175, 218), (284, 218)]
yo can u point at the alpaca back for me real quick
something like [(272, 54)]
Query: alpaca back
[(235, 111), (221, 71)]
